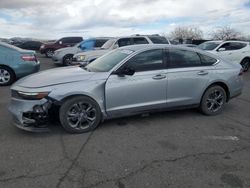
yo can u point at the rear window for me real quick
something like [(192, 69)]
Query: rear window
[(158, 40)]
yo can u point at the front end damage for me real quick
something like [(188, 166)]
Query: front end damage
[(31, 115)]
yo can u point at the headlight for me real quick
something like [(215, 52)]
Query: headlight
[(80, 58), (32, 95)]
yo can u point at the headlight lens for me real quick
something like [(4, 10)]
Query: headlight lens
[(33, 95), (80, 57)]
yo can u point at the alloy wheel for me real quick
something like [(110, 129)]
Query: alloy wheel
[(215, 100), (81, 115), (4, 76)]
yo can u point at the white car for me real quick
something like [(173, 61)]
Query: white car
[(235, 51), (85, 58)]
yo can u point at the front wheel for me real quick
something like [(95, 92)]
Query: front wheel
[(213, 100), (245, 64), (7, 76), (80, 114), (67, 60)]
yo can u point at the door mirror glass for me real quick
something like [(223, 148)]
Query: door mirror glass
[(221, 49), (125, 71)]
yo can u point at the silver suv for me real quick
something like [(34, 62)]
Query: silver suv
[(85, 58)]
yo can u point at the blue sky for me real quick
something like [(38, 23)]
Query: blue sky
[(88, 18)]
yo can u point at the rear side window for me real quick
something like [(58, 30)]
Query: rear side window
[(158, 40), (140, 40), (99, 43), (124, 42), (183, 58), (147, 61), (206, 60)]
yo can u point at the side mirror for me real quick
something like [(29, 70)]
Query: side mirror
[(221, 49), (60, 42), (125, 71)]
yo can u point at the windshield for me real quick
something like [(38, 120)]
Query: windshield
[(208, 45), (108, 61), (108, 44)]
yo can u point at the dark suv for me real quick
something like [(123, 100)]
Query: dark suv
[(49, 48)]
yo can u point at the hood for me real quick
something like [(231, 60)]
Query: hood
[(54, 77), (94, 52), (72, 49)]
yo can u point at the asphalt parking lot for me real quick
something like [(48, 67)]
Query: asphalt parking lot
[(169, 149)]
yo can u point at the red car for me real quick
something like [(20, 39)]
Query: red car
[(49, 48)]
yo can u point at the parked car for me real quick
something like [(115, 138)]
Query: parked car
[(64, 56), (126, 81), (235, 51), (49, 48), (30, 45), (16, 63), (85, 58)]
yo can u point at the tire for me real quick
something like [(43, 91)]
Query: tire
[(80, 114), (213, 100), (7, 76), (245, 64), (67, 60), (49, 53)]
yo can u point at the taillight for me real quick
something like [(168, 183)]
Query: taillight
[(29, 58), (241, 72)]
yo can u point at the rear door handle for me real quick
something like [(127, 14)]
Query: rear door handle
[(202, 73), (159, 77)]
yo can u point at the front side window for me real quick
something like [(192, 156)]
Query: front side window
[(183, 58), (147, 60), (124, 42), (158, 40), (99, 42), (233, 46), (140, 40)]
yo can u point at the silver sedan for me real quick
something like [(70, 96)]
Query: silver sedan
[(126, 81)]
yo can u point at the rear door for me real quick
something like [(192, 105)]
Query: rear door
[(188, 75), (144, 90)]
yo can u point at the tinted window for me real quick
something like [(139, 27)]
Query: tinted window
[(99, 42), (158, 40), (140, 40), (183, 58), (206, 60), (71, 40), (124, 42), (145, 61), (233, 45)]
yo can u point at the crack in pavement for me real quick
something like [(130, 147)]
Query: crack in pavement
[(74, 161), (237, 121), (141, 169)]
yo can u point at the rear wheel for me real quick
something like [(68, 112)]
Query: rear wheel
[(80, 114), (49, 52), (245, 64), (7, 76), (213, 100), (67, 59)]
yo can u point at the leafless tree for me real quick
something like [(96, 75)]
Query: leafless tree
[(225, 33), (186, 32)]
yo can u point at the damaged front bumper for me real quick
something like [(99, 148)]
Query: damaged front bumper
[(30, 115)]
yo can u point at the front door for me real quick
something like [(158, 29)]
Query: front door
[(144, 90)]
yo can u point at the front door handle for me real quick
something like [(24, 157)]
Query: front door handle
[(202, 73), (159, 77)]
